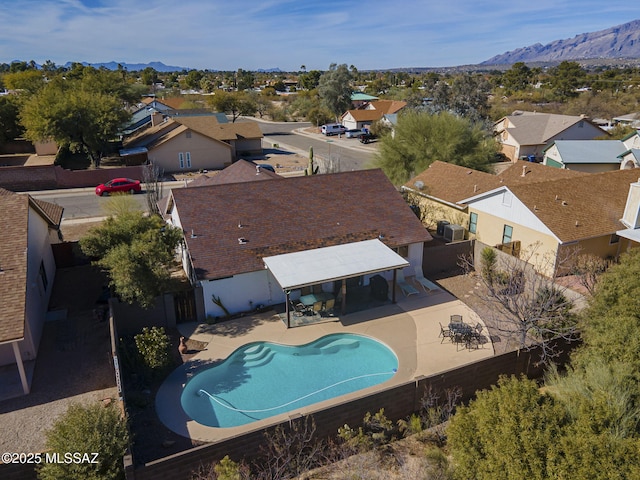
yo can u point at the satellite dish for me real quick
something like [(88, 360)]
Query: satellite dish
[(419, 184)]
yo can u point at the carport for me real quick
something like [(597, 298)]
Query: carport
[(327, 264)]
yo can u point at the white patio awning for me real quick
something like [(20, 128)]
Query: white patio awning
[(630, 233), (309, 267)]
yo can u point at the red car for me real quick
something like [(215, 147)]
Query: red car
[(118, 185)]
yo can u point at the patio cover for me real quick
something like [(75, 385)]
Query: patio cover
[(309, 267)]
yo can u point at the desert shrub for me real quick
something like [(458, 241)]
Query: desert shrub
[(153, 347), (87, 429)]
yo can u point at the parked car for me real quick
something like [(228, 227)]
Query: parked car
[(354, 133), (118, 185), (332, 129), (367, 138)]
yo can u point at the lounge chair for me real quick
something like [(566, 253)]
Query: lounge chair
[(428, 285), (404, 286)]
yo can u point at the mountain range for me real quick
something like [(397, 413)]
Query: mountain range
[(620, 42)]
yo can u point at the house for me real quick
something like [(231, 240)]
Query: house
[(630, 158), (187, 143), (240, 171), (631, 120), (27, 272), (527, 134), (360, 99), (585, 155), (548, 222), (441, 188), (231, 228), (371, 112), (594, 155)]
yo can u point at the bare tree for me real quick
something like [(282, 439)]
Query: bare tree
[(151, 176), (525, 307), (587, 269)]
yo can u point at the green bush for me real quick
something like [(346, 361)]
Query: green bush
[(87, 430), (153, 347)]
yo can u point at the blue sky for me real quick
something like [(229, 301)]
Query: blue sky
[(253, 34)]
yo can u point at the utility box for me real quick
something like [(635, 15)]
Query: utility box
[(453, 233), (440, 227)]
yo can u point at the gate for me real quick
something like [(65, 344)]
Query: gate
[(185, 306)]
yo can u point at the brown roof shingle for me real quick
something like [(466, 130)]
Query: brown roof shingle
[(290, 214)]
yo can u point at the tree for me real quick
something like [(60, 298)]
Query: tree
[(81, 119), (565, 79), (10, 127), (87, 429), (232, 103), (527, 308), (310, 80), (507, 432), (137, 251), (29, 81), (469, 96), (335, 89), (422, 138), (517, 78)]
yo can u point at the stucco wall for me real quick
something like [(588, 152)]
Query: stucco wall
[(433, 211), (206, 154)]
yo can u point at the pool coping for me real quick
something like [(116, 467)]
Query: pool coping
[(411, 328)]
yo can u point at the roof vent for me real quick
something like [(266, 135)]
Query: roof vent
[(564, 203), (577, 224), (524, 170), (240, 225), (419, 184), (557, 198), (475, 188), (257, 169), (242, 240), (193, 235)]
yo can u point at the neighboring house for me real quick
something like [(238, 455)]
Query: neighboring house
[(240, 171), (440, 189), (27, 272), (231, 228), (359, 99), (549, 222), (631, 120), (525, 135), (194, 143), (631, 157), (590, 156), (371, 112)]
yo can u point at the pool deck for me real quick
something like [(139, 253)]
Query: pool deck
[(411, 327)]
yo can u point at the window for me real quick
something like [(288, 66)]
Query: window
[(43, 276), (614, 239), (473, 222), (181, 159), (507, 233), (403, 251), (188, 159), (506, 198)]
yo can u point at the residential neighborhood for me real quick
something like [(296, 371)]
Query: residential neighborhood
[(215, 269)]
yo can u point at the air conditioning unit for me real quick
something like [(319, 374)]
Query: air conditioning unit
[(453, 233), (440, 228)]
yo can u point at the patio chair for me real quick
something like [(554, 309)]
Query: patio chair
[(455, 319), (428, 285), (317, 306), (298, 309), (328, 306), (404, 286), (445, 333)]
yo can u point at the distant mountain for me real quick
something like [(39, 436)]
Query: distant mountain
[(134, 67), (622, 41)]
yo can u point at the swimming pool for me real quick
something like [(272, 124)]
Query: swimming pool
[(262, 379)]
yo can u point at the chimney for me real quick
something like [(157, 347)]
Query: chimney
[(156, 119)]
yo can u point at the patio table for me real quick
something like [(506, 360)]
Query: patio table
[(310, 299)]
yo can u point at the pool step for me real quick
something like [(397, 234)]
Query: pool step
[(255, 356), (260, 361), (332, 346)]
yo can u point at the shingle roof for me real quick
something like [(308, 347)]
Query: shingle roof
[(453, 183), (290, 214), (529, 128), (590, 151), (240, 171), (210, 127), (14, 223), (587, 206)]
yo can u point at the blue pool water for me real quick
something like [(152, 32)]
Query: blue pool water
[(262, 379)]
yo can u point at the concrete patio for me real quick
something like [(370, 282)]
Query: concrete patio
[(411, 328)]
